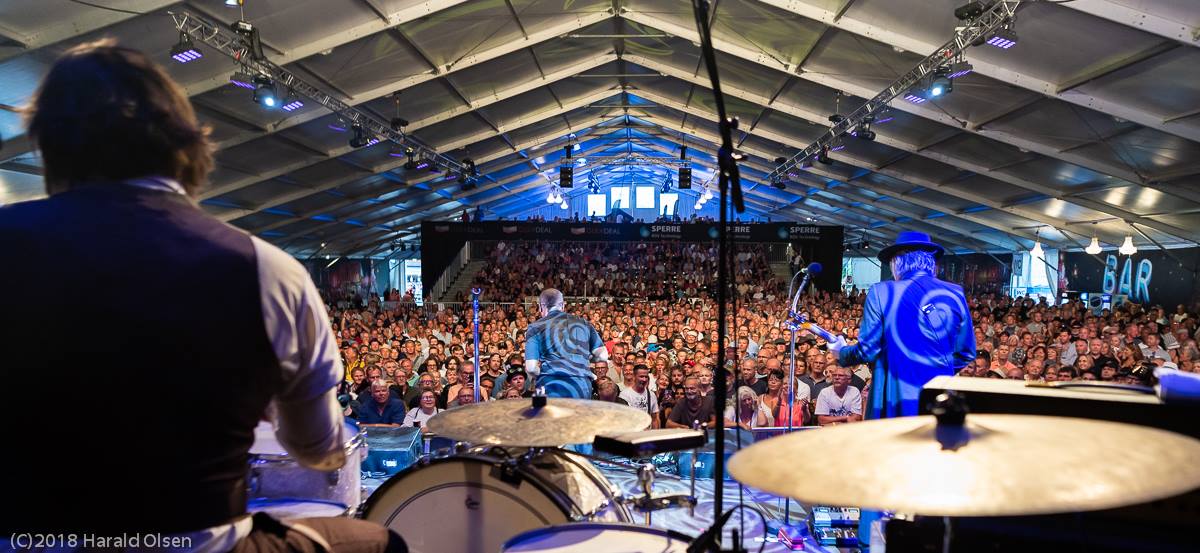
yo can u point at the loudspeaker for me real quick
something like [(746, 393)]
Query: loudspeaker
[(566, 176), (685, 178)]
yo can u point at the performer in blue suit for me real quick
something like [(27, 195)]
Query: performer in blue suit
[(913, 329)]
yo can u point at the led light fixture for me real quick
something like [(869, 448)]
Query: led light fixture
[(1004, 39), (184, 51)]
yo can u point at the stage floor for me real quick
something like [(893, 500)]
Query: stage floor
[(681, 520)]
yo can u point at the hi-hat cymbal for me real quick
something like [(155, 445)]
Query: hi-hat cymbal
[(515, 422), (1011, 465)]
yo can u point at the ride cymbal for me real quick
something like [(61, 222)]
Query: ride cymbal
[(1009, 465)]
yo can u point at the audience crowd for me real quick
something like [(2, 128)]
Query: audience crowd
[(653, 306)]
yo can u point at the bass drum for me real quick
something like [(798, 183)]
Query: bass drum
[(475, 501)]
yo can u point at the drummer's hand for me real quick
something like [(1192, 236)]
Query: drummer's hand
[(837, 344)]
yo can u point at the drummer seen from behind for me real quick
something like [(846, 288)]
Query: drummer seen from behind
[(559, 348), (125, 161)]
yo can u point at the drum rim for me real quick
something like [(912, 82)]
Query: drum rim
[(547, 530), (557, 496)]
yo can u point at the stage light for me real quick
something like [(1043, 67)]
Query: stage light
[(940, 86), (360, 139), (338, 125), (184, 51), (1004, 39), (958, 69), (863, 131), (469, 167), (398, 124), (264, 92), (914, 98), (411, 164), (291, 102), (233, 3), (244, 80), (970, 10), (823, 157), (1094, 247), (1127, 247)]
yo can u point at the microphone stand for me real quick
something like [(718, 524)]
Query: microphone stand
[(729, 183), (475, 304)]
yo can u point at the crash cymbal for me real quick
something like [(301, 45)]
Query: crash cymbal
[(515, 422), (1010, 465)]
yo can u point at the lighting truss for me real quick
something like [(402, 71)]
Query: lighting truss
[(976, 30), (240, 49), (634, 159)]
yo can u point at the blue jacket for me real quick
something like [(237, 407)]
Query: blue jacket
[(912, 330), (393, 412)]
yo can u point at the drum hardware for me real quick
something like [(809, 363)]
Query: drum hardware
[(279, 485), (520, 423), (648, 502)]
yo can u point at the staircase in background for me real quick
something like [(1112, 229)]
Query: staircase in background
[(462, 281)]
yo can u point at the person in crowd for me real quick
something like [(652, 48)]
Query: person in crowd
[(565, 344), (639, 395), (382, 408), (606, 390), (694, 410), (124, 162), (464, 396), (748, 376), (839, 402), (747, 412), (425, 409)]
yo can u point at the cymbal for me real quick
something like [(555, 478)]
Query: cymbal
[(1011, 465), (515, 422)]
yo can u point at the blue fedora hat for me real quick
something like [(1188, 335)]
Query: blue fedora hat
[(911, 240)]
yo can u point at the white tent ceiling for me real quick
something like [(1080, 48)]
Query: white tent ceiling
[(1089, 126)]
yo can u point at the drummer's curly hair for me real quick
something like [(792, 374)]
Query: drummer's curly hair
[(912, 261)]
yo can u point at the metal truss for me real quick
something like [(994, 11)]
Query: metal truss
[(237, 47), (999, 14), (628, 159)]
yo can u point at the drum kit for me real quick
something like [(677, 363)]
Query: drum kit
[(514, 483)]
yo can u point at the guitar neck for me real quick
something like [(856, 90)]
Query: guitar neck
[(816, 329)]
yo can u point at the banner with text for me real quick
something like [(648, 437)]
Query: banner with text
[(440, 241)]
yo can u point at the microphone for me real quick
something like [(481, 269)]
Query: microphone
[(813, 268)]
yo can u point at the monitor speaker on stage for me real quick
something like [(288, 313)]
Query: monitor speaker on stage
[(685, 178)]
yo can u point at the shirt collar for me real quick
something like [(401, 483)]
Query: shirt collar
[(158, 183)]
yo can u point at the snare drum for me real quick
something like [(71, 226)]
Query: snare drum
[(476, 500), (274, 475), (292, 509), (589, 537)]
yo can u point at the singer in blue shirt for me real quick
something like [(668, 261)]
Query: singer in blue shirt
[(913, 328)]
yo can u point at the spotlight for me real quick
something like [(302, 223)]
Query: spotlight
[(469, 165), (823, 157), (958, 69), (264, 92), (863, 131), (291, 103), (184, 51), (450, 174), (338, 125), (940, 86), (411, 164), (360, 138), (970, 10), (398, 124), (777, 182), (914, 98), (244, 80), (1004, 39), (233, 3)]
